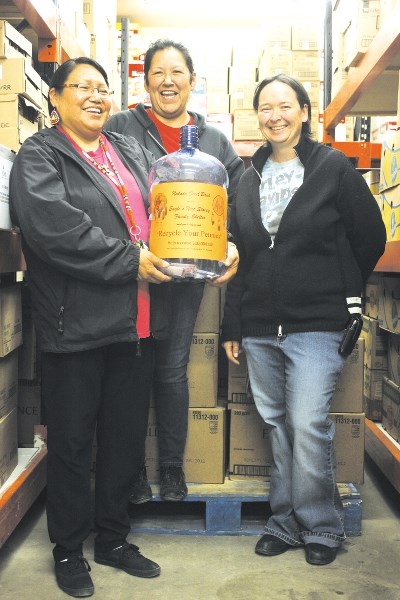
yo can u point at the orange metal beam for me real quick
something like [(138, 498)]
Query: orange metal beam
[(364, 153), (56, 42), (41, 16), (390, 261)]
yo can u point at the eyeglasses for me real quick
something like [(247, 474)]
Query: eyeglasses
[(87, 89)]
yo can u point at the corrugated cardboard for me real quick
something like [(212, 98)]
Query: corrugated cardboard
[(204, 457), (8, 445), (203, 370), (8, 383), (10, 318), (391, 408), (12, 43)]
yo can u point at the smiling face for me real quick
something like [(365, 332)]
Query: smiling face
[(169, 83), (82, 115), (280, 116)]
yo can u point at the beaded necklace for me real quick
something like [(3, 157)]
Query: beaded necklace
[(116, 178)]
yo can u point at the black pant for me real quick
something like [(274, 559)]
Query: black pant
[(107, 391)]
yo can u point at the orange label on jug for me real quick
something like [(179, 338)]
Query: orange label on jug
[(188, 220)]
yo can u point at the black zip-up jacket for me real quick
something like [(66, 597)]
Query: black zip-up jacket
[(82, 266), (137, 123), (329, 239)]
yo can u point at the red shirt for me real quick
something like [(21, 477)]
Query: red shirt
[(170, 136)]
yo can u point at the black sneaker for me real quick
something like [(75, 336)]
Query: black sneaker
[(141, 490), (73, 577), (128, 558), (172, 484)]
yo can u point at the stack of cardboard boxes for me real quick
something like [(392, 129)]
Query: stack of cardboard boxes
[(10, 340), (291, 48), (249, 449), (22, 103), (204, 458), (382, 300)]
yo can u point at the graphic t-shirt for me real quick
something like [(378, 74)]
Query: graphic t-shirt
[(279, 181)]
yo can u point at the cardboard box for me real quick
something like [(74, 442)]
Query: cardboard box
[(8, 383), (358, 22), (242, 75), (391, 408), (12, 43), (305, 36), (389, 204), (8, 445), (394, 357), (239, 390), (278, 36), (306, 66), (7, 158), (203, 370), (389, 304), (29, 411), (19, 119), (373, 393), (204, 457), (274, 61), (10, 318), (242, 95), (376, 344), (348, 395), (208, 317), (245, 125), (248, 443), (373, 294), (250, 454), (372, 180), (390, 161), (349, 446), (17, 76)]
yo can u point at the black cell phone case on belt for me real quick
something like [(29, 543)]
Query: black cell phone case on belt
[(351, 335)]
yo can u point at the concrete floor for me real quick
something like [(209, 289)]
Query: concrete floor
[(223, 567)]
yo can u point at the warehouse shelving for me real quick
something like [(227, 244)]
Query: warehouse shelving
[(384, 451), (23, 487), (56, 42), (359, 95)]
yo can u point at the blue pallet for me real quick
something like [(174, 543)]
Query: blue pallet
[(231, 508)]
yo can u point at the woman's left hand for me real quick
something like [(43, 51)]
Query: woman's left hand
[(231, 263)]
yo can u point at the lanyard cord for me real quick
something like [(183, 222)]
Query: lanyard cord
[(117, 180)]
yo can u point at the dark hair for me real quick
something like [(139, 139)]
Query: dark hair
[(162, 44), (63, 71), (301, 94)]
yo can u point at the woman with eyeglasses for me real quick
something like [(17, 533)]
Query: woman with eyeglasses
[(79, 198)]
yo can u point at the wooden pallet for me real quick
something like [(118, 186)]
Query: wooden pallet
[(231, 508)]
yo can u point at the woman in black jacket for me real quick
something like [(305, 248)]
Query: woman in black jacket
[(79, 198), (309, 233)]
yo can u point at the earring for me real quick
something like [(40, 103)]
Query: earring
[(54, 117)]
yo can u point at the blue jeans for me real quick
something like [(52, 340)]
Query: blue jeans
[(171, 392), (293, 379)]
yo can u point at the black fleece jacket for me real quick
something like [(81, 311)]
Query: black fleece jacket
[(330, 237)]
